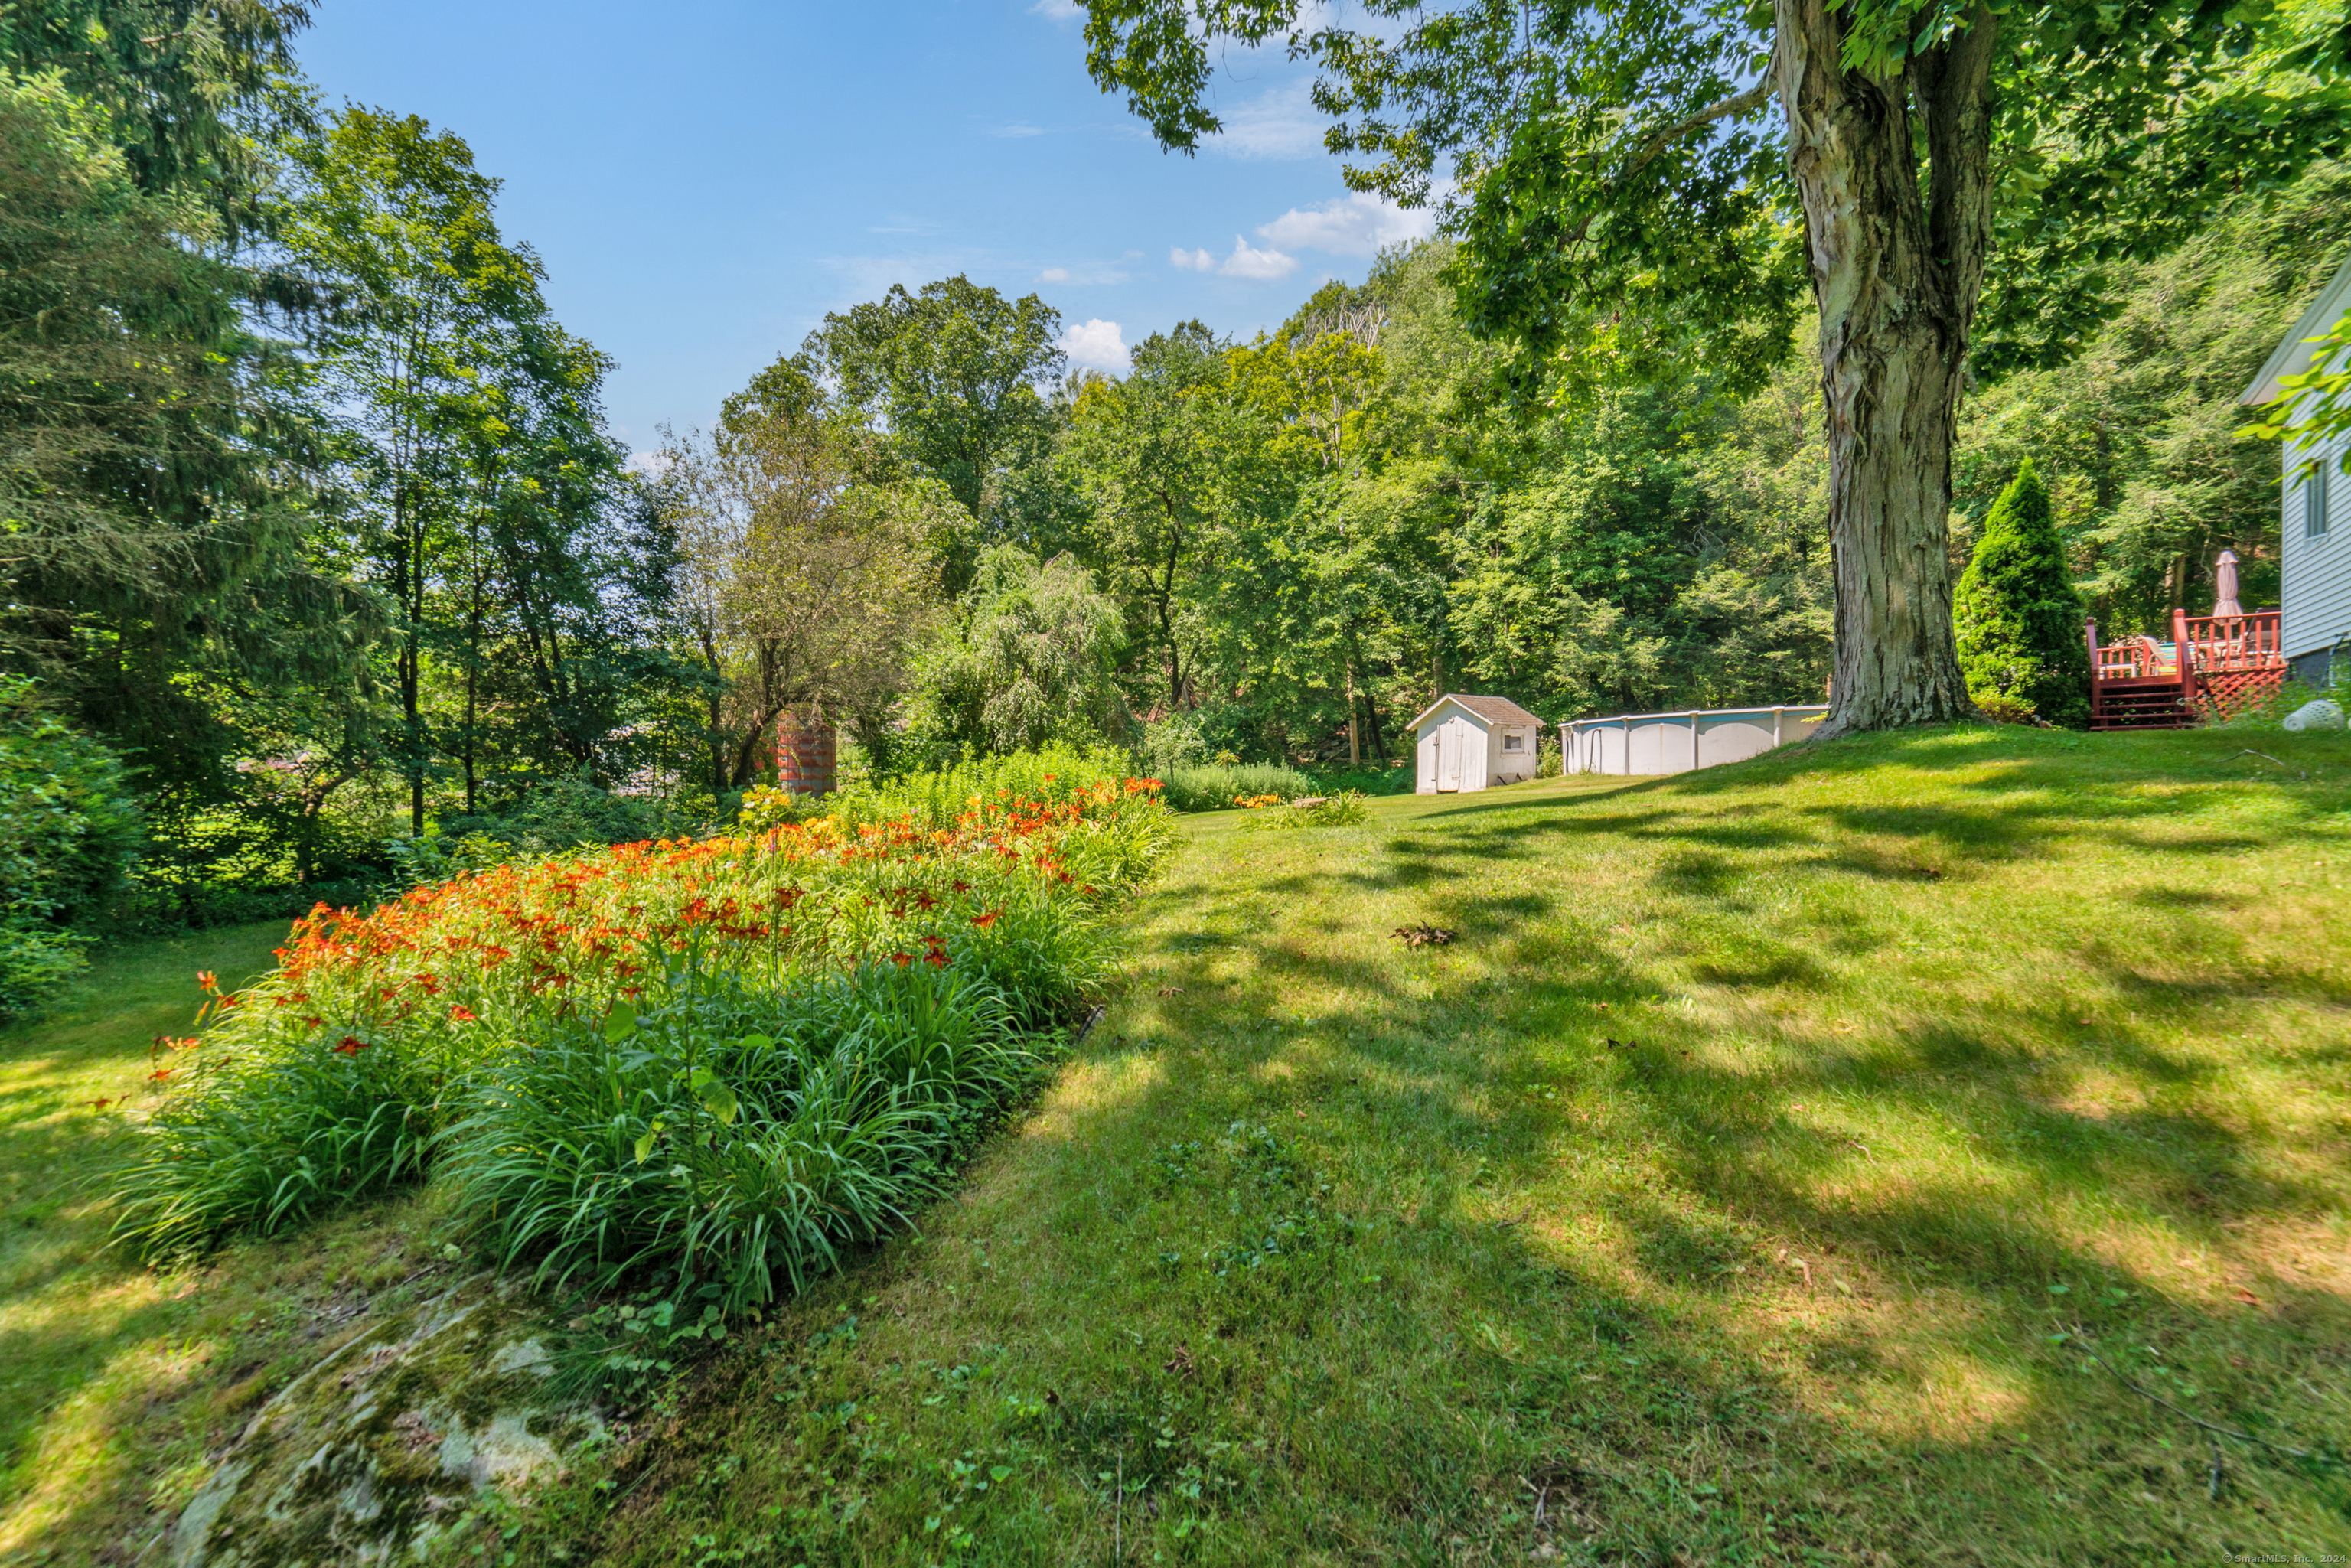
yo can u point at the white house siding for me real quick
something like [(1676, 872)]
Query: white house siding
[(2315, 597)]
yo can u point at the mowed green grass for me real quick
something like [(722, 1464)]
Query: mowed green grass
[(1754, 1180), (119, 1384)]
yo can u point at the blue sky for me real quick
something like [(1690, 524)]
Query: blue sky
[(706, 178)]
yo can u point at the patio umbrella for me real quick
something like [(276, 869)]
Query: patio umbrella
[(2224, 576)]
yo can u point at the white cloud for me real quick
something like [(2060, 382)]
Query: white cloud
[(1059, 10), (652, 465), (1083, 273), (1355, 225), (1248, 262), (1281, 122), (1018, 130), (1095, 346)]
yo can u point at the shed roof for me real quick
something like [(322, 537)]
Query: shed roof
[(2292, 355), (1493, 710)]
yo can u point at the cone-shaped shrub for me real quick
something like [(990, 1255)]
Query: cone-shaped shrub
[(2018, 617)]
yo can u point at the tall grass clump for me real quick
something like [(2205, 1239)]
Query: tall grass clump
[(445, 1025), (1213, 787)]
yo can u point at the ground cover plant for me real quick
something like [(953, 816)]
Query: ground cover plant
[(1342, 809), (1786, 1163), (726, 1058)]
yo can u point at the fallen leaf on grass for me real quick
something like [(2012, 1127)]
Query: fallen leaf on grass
[(1425, 934)]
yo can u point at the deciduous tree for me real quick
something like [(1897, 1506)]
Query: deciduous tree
[(808, 576), (953, 372), (1646, 185)]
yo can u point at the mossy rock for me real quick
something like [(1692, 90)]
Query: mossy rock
[(369, 1455)]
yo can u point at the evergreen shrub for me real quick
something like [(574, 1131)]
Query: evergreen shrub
[(2019, 619)]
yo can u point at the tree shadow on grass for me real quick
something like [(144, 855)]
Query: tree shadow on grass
[(1744, 1170), (2056, 794), (1424, 1329), (1489, 1353)]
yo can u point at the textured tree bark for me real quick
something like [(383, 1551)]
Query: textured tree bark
[(1896, 270)]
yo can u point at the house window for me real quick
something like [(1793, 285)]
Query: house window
[(2314, 487), (1514, 743)]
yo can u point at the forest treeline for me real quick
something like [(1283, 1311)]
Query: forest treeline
[(324, 564)]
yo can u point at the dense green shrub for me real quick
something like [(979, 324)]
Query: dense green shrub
[(558, 815), (68, 834), (1214, 788), (2020, 620), (1024, 660), (35, 957), (1168, 744)]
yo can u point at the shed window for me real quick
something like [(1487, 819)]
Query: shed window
[(2314, 487), (1514, 742)]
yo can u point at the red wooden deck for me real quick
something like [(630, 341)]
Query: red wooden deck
[(2215, 666)]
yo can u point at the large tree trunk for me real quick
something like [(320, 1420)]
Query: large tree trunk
[(1896, 271)]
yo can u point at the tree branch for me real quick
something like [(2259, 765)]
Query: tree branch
[(1753, 98)]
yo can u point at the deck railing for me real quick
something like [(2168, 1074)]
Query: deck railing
[(2231, 642), (2132, 659), (2213, 666)]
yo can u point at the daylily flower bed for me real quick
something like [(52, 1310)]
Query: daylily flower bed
[(725, 1057)]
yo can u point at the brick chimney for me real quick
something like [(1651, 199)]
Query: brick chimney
[(807, 761)]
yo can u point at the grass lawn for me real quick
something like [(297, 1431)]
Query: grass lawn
[(116, 1382), (1754, 1180)]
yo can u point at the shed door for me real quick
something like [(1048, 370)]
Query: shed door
[(1448, 754)]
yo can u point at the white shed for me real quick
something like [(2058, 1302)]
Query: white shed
[(2317, 537), (1470, 743)]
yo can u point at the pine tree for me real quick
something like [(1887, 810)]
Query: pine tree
[(2018, 616)]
